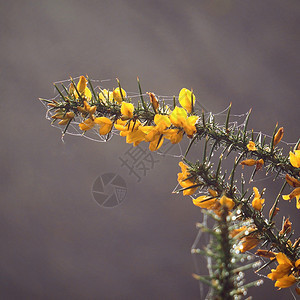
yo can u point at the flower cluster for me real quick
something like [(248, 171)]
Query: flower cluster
[(286, 273), (210, 189), (163, 124)]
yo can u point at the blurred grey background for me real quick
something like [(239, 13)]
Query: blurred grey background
[(56, 241)]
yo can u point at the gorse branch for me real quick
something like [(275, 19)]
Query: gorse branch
[(152, 121)]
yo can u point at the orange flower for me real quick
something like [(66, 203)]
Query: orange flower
[(153, 101), (251, 146), (64, 117), (209, 202), (87, 109), (248, 162), (237, 231), (278, 136), (186, 180), (294, 194), (292, 181), (286, 227), (283, 273), (228, 202), (248, 242), (257, 201), (251, 162), (265, 253)]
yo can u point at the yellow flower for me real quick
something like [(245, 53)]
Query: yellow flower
[(127, 109), (180, 119), (251, 146), (64, 117), (154, 134), (184, 182), (162, 122), (174, 135), (295, 159), (208, 202), (185, 99), (131, 131), (257, 201), (178, 116), (294, 194), (105, 125), (119, 94), (189, 126), (225, 201), (106, 96), (282, 274), (82, 88), (87, 124)]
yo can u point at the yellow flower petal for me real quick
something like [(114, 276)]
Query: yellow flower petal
[(225, 201), (119, 94), (295, 159), (294, 194), (282, 259), (105, 125), (178, 116), (86, 124), (285, 282), (257, 201), (127, 109), (156, 143), (106, 95), (83, 89), (185, 99), (162, 121), (189, 125), (251, 146), (81, 85), (186, 183), (174, 135), (203, 202)]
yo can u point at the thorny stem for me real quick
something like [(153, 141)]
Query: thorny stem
[(248, 212)]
